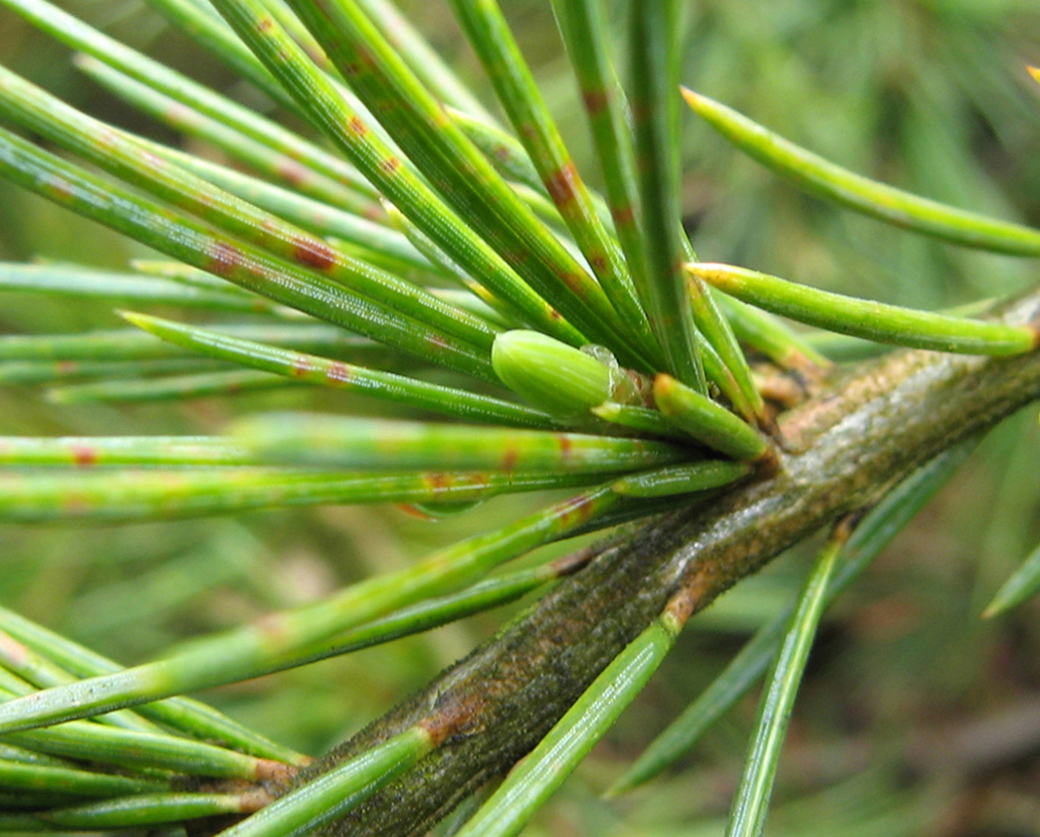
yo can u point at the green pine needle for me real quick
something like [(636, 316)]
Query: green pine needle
[(748, 815), (866, 318), (544, 770), (1020, 587), (862, 194)]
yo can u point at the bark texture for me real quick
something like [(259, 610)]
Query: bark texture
[(842, 450)]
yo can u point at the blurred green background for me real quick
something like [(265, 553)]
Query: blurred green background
[(916, 716)]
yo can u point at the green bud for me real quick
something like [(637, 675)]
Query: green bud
[(551, 375)]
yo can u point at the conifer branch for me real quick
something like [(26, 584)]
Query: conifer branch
[(843, 449)]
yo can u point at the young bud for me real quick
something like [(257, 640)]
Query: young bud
[(551, 375)]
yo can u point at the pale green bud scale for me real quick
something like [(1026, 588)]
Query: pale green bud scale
[(553, 376)]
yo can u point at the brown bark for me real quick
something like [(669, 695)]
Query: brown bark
[(842, 449)]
